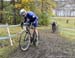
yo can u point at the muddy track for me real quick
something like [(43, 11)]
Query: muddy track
[(50, 46)]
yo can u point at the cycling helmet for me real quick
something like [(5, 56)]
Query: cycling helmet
[(22, 12)]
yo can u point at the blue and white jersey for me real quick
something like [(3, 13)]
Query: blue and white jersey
[(31, 16)]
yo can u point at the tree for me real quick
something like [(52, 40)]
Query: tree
[(43, 8), (1, 9), (14, 11), (46, 7)]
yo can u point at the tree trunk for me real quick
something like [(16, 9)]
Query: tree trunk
[(14, 12), (1, 9)]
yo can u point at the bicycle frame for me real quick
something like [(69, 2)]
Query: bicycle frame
[(27, 28)]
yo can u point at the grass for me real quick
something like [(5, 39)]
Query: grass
[(7, 49), (61, 22), (68, 35), (14, 30)]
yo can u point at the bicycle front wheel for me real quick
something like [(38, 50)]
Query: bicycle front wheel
[(24, 41)]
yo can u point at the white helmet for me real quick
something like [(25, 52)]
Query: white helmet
[(22, 12)]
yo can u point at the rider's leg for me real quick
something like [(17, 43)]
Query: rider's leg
[(36, 31), (31, 36), (35, 24)]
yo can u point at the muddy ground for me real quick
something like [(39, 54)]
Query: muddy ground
[(50, 46)]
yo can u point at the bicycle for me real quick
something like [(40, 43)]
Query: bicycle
[(25, 38)]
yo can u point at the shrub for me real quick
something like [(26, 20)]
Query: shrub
[(44, 19)]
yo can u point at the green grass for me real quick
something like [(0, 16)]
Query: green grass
[(61, 22), (68, 35), (13, 30), (6, 50)]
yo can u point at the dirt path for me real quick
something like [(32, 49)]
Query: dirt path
[(51, 46)]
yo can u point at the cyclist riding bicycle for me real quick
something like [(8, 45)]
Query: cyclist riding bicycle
[(30, 18)]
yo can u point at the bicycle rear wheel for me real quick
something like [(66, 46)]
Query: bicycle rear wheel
[(24, 41)]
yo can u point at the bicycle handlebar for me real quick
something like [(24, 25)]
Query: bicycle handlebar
[(25, 24)]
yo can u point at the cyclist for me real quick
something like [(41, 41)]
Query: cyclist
[(53, 27), (31, 18)]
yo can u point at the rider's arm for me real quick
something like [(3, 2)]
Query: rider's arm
[(23, 21)]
